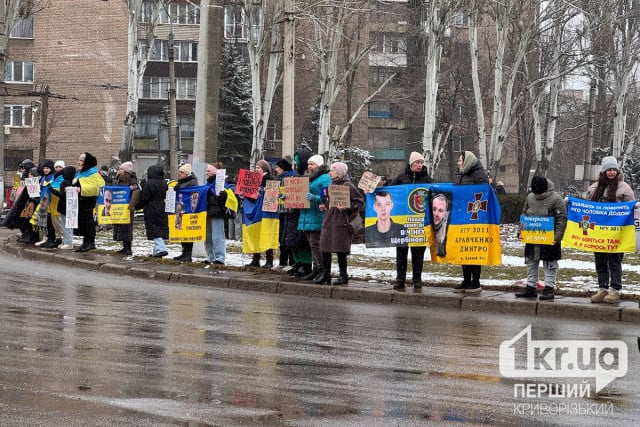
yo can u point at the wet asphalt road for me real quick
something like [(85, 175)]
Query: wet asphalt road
[(82, 348)]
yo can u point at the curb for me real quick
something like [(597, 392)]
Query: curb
[(489, 301)]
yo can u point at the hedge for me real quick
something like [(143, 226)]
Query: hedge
[(511, 205)]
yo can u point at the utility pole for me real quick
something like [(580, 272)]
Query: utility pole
[(3, 13), (205, 141), (173, 149), (44, 113), (586, 177), (288, 83)]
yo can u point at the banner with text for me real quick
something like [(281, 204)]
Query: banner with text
[(113, 205), (188, 222)]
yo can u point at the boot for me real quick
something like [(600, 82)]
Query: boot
[(269, 263), (466, 281), (343, 279), (401, 267), (475, 280), (255, 261), (547, 294), (417, 263), (303, 271), (312, 275), (126, 249), (527, 292), (612, 297), (324, 278), (599, 296), (186, 257), (294, 269)]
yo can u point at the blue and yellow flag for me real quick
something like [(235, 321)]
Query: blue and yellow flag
[(394, 216), (462, 224), (538, 230), (113, 205), (188, 222), (600, 227), (260, 229)]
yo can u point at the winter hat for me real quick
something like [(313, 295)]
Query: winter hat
[(414, 157), (340, 169), (25, 162), (59, 163), (34, 172), (539, 185), (127, 167), (264, 165), (284, 164), (318, 160), (212, 169), (609, 162), (186, 168)]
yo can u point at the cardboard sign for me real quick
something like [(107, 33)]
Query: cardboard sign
[(296, 189), (248, 184), (271, 195), (33, 186), (339, 196), (368, 182)]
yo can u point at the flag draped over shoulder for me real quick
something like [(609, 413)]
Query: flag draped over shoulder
[(469, 232), (188, 222), (600, 227), (260, 229)]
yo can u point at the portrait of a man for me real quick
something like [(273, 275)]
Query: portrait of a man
[(380, 234)]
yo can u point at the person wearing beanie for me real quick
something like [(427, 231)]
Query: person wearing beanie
[(542, 201), (216, 216), (56, 237), (126, 177), (59, 165), (263, 167), (337, 232), (89, 182), (186, 179), (470, 172), (610, 187), (310, 220), (288, 219), (284, 164), (48, 232), (414, 172)]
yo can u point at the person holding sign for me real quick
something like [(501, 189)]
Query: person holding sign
[(610, 187), (541, 203), (216, 214), (263, 167), (125, 177), (156, 221), (186, 179), (89, 182), (414, 173), (336, 231)]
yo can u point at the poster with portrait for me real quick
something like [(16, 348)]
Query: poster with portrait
[(113, 205), (188, 222), (394, 216)]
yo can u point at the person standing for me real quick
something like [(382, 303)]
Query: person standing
[(471, 171), (156, 221), (216, 217), (610, 187), (336, 234), (542, 201), (186, 179), (89, 182), (68, 174), (414, 173), (310, 220), (126, 177), (263, 167), (288, 217)]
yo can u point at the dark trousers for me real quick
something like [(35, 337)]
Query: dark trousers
[(609, 267), (417, 262), (471, 274)]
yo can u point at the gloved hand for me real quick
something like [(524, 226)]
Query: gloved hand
[(311, 197)]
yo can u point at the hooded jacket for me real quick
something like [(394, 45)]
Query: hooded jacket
[(152, 195), (546, 204)]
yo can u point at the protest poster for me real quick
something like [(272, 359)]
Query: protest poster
[(221, 176), (368, 182), (113, 205), (339, 196), (188, 222), (295, 191), (271, 195), (33, 186), (537, 230), (170, 200), (249, 183), (71, 217)]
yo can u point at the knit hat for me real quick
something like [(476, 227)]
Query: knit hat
[(26, 162), (59, 163), (284, 164), (414, 157), (609, 162), (318, 160), (127, 167), (264, 165), (340, 169), (539, 185), (212, 169), (186, 168)]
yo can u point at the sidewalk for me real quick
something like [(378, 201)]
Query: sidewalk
[(488, 301)]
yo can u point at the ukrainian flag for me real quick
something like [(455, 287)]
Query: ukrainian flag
[(260, 230), (599, 226), (472, 225)]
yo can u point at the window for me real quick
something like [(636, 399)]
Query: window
[(158, 88), (23, 29), (388, 42), (460, 19), (13, 158), (180, 13), (147, 126), (235, 25), (378, 75), (184, 51), (379, 110), (19, 116), (187, 126), (18, 71), (147, 12)]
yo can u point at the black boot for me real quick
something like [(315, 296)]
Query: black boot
[(312, 275), (547, 294), (294, 269), (324, 278), (187, 249), (417, 263), (401, 267), (126, 249), (269, 263), (343, 279), (303, 270), (255, 261), (527, 292)]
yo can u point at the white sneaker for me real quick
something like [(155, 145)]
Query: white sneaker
[(41, 242), (65, 247)]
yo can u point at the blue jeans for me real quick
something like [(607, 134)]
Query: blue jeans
[(215, 244), (158, 246), (67, 233)]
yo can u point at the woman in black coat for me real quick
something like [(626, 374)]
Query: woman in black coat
[(156, 221)]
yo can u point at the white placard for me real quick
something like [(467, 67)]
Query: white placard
[(170, 201), (33, 186), (221, 174), (71, 216)]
